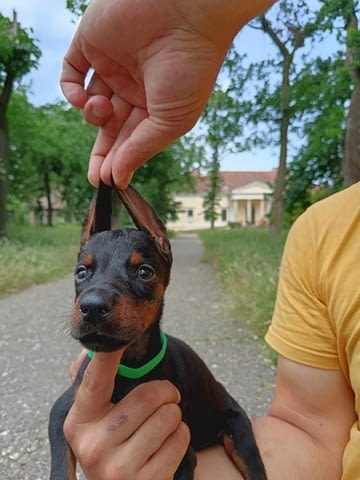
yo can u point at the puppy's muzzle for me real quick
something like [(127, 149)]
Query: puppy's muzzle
[(95, 308)]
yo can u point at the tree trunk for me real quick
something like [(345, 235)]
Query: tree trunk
[(214, 186), (351, 161), (48, 198), (277, 209), (4, 150)]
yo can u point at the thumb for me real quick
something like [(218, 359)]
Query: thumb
[(93, 398)]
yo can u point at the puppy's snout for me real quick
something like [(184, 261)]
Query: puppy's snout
[(94, 308)]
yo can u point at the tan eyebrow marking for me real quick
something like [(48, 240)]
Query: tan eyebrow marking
[(88, 260), (136, 258)]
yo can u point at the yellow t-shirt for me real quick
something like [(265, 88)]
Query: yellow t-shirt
[(316, 319)]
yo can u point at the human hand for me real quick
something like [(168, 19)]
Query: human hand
[(140, 437), (154, 65)]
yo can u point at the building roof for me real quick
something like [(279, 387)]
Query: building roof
[(235, 179)]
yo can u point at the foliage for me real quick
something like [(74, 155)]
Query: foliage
[(18, 50), (77, 7), (324, 87), (50, 147), (223, 130), (18, 55), (285, 25), (302, 108), (341, 17)]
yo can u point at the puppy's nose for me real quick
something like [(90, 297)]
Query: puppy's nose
[(94, 308)]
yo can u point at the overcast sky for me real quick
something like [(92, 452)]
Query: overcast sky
[(53, 27)]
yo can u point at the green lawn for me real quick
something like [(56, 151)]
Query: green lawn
[(248, 262), (33, 255)]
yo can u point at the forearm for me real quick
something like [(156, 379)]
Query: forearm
[(289, 452)]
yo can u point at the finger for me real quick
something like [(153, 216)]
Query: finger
[(136, 116), (97, 110), (167, 459), (106, 138), (75, 366), (151, 435), (93, 398), (148, 138), (137, 407), (74, 69)]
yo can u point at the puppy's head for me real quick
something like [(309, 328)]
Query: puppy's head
[(121, 275)]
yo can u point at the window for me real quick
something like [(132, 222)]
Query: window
[(224, 214)]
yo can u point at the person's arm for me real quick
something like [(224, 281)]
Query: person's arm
[(308, 424), (155, 63)]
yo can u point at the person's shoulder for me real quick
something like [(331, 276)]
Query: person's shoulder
[(338, 207)]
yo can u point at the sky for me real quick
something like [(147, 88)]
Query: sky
[(53, 27)]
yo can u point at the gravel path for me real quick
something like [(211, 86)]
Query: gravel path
[(36, 350)]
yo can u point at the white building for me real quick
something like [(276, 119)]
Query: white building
[(245, 199)]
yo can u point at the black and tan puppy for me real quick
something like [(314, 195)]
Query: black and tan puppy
[(120, 280)]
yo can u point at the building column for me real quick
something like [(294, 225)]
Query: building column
[(262, 209), (248, 212)]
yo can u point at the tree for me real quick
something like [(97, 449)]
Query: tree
[(18, 55), (330, 154), (50, 147), (221, 121), (222, 128), (351, 164), (347, 31), (323, 87), (285, 24)]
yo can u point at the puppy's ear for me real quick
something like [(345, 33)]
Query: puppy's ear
[(98, 217), (145, 218)]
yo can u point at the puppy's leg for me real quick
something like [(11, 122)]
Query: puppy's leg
[(240, 443), (63, 463)]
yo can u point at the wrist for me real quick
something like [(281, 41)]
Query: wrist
[(221, 20)]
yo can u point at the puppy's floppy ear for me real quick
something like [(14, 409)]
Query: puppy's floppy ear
[(145, 218), (98, 217)]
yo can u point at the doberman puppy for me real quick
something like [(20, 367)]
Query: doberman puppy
[(120, 280)]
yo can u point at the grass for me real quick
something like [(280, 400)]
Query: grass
[(32, 255), (248, 263)]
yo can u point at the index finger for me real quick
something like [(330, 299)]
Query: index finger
[(93, 398), (72, 78)]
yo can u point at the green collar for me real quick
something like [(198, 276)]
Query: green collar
[(139, 372)]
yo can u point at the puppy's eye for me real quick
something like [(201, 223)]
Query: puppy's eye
[(146, 272), (81, 273)]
